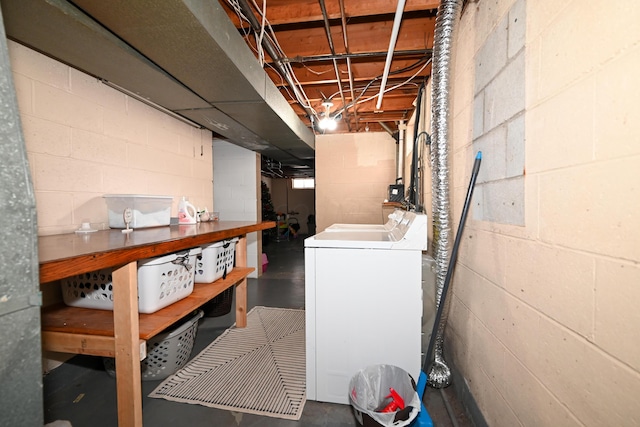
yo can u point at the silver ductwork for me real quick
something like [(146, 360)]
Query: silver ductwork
[(447, 17), (183, 55)]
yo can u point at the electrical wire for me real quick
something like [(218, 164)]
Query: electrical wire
[(299, 95), (389, 89), (266, 32), (318, 73), (261, 36), (402, 70)]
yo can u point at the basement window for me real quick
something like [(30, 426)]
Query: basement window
[(303, 183)]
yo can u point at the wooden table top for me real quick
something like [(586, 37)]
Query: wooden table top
[(63, 255)]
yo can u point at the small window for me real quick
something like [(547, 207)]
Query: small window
[(304, 183)]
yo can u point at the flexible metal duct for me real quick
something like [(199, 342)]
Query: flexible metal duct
[(446, 19)]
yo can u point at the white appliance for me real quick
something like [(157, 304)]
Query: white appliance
[(363, 301), (395, 218)]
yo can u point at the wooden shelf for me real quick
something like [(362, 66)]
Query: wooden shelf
[(85, 321), (122, 333), (65, 255)]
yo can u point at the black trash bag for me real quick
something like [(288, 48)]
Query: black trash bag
[(369, 388)]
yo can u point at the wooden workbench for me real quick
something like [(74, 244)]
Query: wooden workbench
[(122, 333)]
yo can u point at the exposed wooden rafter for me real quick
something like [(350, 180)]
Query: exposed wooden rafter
[(301, 34)]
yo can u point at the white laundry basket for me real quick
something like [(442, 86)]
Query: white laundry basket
[(161, 282), (216, 261)]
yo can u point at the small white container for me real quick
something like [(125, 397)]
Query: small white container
[(161, 282), (148, 211), (215, 261)]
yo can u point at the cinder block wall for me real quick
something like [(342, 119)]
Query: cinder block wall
[(85, 139), (544, 319), (353, 174), (236, 185)]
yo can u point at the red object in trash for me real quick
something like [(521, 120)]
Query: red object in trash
[(396, 403)]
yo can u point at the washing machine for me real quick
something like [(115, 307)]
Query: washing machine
[(363, 302), (393, 220)]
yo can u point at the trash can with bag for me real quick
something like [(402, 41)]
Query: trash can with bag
[(384, 395)]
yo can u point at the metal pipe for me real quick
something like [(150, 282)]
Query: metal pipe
[(343, 20), (341, 56), (387, 128), (268, 46), (392, 44), (327, 29), (402, 129), (450, 411)]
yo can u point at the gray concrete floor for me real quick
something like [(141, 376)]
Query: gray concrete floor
[(82, 392)]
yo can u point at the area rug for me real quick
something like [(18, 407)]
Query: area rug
[(259, 369)]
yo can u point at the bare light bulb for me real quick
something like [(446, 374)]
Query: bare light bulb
[(328, 123)]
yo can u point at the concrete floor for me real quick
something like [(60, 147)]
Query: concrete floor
[(82, 392)]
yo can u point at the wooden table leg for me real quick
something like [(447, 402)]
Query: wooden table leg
[(241, 288), (127, 336)]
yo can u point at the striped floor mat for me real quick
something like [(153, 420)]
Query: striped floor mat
[(259, 369)]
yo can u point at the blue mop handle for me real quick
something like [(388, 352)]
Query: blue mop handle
[(452, 259), (423, 419)]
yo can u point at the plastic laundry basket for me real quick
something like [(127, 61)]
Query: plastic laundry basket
[(161, 282), (167, 352), (215, 261), (220, 305)]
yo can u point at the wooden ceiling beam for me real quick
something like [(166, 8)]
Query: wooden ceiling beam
[(362, 37), (301, 34), (361, 75), (284, 12), (320, 91)]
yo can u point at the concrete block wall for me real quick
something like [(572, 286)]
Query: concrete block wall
[(85, 139), (544, 322), (353, 174), (498, 121), (236, 182)]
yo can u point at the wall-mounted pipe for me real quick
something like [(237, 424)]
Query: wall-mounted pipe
[(448, 14), (402, 135), (392, 44)]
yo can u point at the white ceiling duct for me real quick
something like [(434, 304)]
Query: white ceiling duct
[(183, 55)]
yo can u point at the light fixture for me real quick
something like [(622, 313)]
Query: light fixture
[(327, 122)]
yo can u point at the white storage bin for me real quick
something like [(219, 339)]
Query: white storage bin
[(167, 352), (161, 282), (216, 261), (148, 211)]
